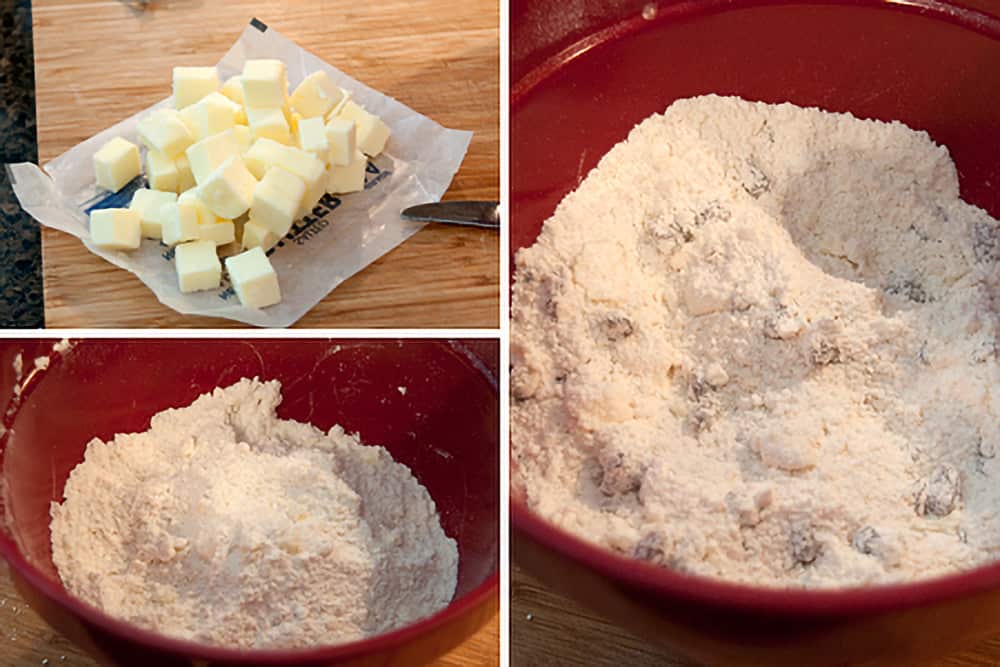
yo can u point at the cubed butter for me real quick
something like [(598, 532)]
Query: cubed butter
[(313, 138), (115, 229), (185, 177), (277, 199), (148, 204), (256, 235), (269, 124), (228, 191), (161, 172), (206, 155), (345, 98), (116, 163), (180, 222), (372, 133), (340, 133), (253, 278), (220, 232), (164, 131), (349, 178), (265, 84), (263, 154), (193, 83), (315, 96), (198, 267), (205, 216), (212, 114), (241, 135), (233, 89), (310, 169)]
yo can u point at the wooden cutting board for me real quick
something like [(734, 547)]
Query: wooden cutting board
[(26, 641), (548, 630), (97, 62)]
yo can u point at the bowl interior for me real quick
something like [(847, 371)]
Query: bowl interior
[(926, 64), (444, 424)]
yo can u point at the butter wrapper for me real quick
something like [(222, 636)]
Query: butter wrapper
[(342, 235)]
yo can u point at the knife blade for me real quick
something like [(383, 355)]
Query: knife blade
[(470, 213)]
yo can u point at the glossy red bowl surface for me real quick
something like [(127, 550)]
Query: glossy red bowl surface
[(582, 76), (445, 427)]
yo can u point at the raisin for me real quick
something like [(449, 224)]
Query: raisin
[(985, 243), (616, 326), (805, 548), (941, 492), (908, 288), (755, 181), (618, 475), (824, 353), (714, 212), (866, 540), (651, 549)]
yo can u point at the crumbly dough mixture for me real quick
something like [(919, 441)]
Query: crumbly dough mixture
[(759, 343), (225, 524)]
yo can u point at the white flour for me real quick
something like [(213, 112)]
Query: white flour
[(227, 525), (758, 343)]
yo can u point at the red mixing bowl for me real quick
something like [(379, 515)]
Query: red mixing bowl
[(445, 427), (583, 74)]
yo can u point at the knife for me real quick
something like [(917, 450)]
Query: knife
[(470, 213)]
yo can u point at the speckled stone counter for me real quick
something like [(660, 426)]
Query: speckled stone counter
[(20, 240)]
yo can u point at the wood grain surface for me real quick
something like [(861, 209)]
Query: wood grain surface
[(551, 631), (97, 62), (26, 641)]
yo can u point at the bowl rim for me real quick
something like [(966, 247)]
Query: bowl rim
[(123, 630), (272, 656), (648, 579), (950, 11)]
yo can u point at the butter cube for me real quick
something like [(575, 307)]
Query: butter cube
[(116, 163), (233, 89), (345, 98), (265, 84), (228, 191), (254, 278), (198, 267), (241, 135), (115, 229), (185, 177), (315, 96), (293, 118), (206, 155), (193, 83), (180, 222), (164, 131), (205, 216), (340, 134), (269, 124), (148, 204), (310, 169), (263, 154), (313, 138), (350, 178), (256, 235), (161, 172), (372, 133), (219, 233), (277, 199), (212, 114)]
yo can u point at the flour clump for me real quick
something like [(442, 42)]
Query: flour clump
[(758, 343), (227, 525)]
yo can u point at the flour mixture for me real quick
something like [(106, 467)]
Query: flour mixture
[(759, 343), (225, 524)]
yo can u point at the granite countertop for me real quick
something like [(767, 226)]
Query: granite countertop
[(20, 238)]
